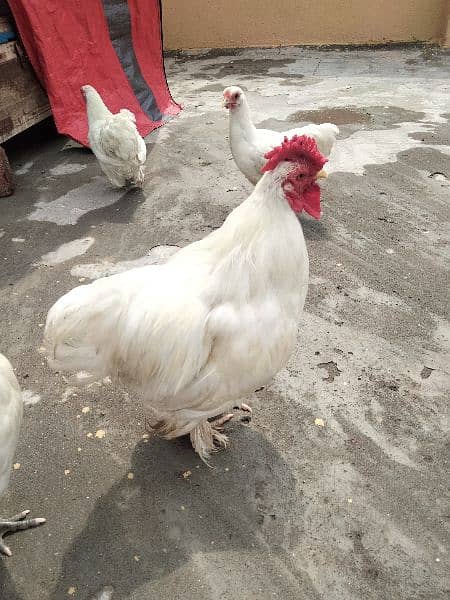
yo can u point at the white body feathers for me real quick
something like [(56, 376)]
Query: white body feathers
[(115, 141), (11, 412), (193, 335), (249, 144)]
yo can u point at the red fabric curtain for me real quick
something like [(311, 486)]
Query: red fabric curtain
[(78, 42)]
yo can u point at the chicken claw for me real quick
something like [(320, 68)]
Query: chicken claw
[(208, 437), (244, 407), (221, 420), (16, 523)]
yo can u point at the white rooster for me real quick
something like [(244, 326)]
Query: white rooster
[(249, 144), (115, 141), (215, 322), (11, 411)]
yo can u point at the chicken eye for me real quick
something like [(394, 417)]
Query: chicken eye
[(235, 96), (300, 176)]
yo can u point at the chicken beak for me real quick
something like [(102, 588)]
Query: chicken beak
[(321, 175)]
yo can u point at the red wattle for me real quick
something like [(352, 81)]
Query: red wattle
[(309, 201)]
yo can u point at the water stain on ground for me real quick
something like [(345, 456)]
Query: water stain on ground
[(339, 116), (248, 67), (440, 135), (332, 369), (287, 76), (378, 116)]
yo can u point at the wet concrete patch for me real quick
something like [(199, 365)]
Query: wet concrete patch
[(372, 116), (430, 161), (338, 116), (440, 135), (274, 124), (293, 78), (248, 67)]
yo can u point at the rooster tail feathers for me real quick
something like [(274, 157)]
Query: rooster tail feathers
[(332, 128), (76, 332)]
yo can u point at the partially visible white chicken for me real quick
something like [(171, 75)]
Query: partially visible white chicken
[(104, 594), (115, 141), (214, 323), (249, 144), (11, 411)]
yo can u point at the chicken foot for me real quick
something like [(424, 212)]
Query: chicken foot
[(208, 437), (16, 523)]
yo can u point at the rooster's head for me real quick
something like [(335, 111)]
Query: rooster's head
[(87, 90), (297, 164), (232, 97)]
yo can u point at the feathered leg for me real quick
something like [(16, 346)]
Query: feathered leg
[(205, 438), (16, 523), (208, 437)]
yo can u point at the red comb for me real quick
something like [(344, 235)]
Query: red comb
[(295, 149)]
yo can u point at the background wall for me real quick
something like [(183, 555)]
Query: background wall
[(243, 23)]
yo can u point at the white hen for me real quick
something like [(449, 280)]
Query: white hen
[(212, 324), (115, 141), (11, 411), (249, 144)]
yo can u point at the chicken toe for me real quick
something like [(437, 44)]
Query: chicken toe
[(244, 407), (247, 409), (221, 420), (16, 523)]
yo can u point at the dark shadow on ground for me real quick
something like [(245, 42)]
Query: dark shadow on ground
[(248, 501), (7, 588)]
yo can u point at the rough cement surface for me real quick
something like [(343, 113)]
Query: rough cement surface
[(338, 489)]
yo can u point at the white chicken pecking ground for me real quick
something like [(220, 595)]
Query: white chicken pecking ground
[(214, 323), (115, 141), (249, 144), (11, 412)]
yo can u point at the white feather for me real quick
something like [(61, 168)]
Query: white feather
[(11, 411), (249, 144), (115, 141), (211, 325)]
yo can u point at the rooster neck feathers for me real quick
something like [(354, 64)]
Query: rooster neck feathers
[(240, 119), (96, 108)]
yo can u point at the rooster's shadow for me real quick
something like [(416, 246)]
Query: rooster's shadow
[(7, 588), (146, 527)]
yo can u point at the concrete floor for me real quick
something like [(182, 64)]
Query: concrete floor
[(355, 509)]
